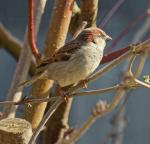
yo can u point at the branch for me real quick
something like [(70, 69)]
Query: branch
[(137, 48), (91, 92), (75, 19), (21, 72), (104, 108), (111, 12), (143, 30), (101, 109), (12, 45), (46, 117), (61, 113), (127, 29), (79, 29), (27, 100), (119, 122), (133, 49), (113, 55), (58, 27), (120, 92), (31, 33), (55, 38), (9, 42), (89, 11)]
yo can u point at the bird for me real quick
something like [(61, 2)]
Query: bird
[(74, 61)]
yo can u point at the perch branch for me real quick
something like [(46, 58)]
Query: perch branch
[(99, 91), (31, 100), (104, 108), (119, 93)]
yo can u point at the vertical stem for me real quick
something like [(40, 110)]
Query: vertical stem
[(21, 72), (15, 93), (55, 38), (58, 27), (31, 33), (89, 9)]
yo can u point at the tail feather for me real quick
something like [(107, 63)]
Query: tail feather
[(33, 80)]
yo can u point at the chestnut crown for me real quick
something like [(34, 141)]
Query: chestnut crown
[(89, 34)]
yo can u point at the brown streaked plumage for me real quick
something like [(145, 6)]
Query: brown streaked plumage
[(74, 61)]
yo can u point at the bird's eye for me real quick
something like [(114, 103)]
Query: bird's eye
[(101, 36)]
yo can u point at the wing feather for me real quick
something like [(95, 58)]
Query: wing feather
[(63, 54)]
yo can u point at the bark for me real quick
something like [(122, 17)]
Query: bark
[(15, 131)]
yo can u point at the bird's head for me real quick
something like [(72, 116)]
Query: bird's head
[(94, 35)]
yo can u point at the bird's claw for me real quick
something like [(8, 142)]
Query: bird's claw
[(66, 97), (64, 94), (84, 83)]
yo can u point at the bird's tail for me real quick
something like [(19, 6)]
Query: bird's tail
[(33, 80)]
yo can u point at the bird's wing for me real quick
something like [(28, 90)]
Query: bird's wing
[(63, 54)]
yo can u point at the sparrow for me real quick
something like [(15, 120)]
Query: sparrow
[(75, 61)]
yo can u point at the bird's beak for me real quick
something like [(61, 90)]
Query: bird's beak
[(108, 38)]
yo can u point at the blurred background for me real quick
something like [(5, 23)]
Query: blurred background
[(13, 15)]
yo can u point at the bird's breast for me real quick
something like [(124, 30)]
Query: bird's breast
[(81, 64)]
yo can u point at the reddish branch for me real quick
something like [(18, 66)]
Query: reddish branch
[(31, 33), (113, 55), (108, 57)]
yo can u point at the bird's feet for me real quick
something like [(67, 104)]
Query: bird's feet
[(84, 83), (63, 93)]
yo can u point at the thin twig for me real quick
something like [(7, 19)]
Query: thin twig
[(53, 107), (111, 12), (28, 101), (127, 29), (143, 30), (101, 109), (79, 132), (119, 94), (12, 45), (130, 64), (55, 38), (80, 28), (138, 48), (119, 123), (116, 99), (9, 42), (46, 117), (50, 99), (99, 91), (21, 71)]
